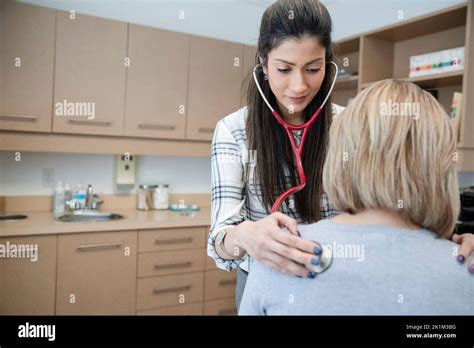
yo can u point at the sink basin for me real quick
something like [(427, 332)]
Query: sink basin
[(88, 216), (8, 217)]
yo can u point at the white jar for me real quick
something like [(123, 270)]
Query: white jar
[(161, 197)]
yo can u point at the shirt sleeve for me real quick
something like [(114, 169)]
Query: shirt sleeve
[(227, 196)]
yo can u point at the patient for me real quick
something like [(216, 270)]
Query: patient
[(390, 170)]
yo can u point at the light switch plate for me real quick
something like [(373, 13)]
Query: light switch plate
[(125, 169)]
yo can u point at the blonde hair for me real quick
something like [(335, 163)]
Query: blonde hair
[(393, 147)]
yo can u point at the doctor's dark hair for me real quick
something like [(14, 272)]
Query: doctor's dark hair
[(289, 20)]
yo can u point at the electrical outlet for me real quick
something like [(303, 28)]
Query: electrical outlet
[(48, 177)]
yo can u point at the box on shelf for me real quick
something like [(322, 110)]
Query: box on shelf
[(437, 62)]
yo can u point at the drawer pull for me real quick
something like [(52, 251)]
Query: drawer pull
[(91, 123), (27, 118), (227, 311), (174, 289), (174, 265), (228, 282), (173, 241), (99, 246), (206, 130), (156, 126)]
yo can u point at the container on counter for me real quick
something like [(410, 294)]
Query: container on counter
[(145, 197), (161, 197)]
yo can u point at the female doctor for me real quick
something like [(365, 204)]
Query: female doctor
[(252, 160)]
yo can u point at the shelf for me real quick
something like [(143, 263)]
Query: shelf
[(437, 80), (348, 82), (444, 19)]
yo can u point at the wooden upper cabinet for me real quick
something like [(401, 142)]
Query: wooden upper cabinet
[(156, 83), (215, 80), (26, 66), (89, 93)]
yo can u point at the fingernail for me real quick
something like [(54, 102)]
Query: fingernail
[(311, 275), (315, 261), (461, 258), (317, 250), (471, 268)]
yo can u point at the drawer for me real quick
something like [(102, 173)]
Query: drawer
[(219, 284), (170, 262), (225, 306), (210, 263), (164, 291), (184, 309), (171, 239)]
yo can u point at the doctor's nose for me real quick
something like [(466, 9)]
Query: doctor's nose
[(298, 84)]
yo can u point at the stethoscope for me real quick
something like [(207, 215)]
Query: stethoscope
[(326, 255)]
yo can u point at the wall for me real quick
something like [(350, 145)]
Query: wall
[(25, 177)]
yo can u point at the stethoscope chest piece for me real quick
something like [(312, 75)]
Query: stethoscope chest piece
[(324, 261)]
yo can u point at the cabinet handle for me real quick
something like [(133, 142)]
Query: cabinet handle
[(91, 123), (27, 118), (173, 241), (174, 265), (177, 288), (227, 311), (156, 126), (99, 246), (206, 130), (227, 282)]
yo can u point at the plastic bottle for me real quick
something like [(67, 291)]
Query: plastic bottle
[(58, 198), (80, 195)]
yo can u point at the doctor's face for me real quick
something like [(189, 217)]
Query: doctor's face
[(296, 70)]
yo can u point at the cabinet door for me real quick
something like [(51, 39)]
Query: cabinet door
[(26, 67), (215, 75), (28, 275), (97, 273), (89, 93), (156, 83)]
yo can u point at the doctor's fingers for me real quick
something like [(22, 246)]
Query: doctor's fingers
[(285, 264), (294, 254), (283, 220), (311, 247), (467, 247)]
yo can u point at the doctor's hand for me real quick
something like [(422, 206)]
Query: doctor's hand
[(274, 241), (467, 248)]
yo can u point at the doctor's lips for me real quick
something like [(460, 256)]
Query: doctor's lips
[(298, 100)]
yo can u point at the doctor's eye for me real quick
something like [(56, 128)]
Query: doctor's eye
[(283, 70), (313, 71)]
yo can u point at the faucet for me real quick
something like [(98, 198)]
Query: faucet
[(92, 202)]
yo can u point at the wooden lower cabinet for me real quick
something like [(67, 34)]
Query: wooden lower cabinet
[(183, 309), (224, 306), (173, 290), (27, 283), (97, 273)]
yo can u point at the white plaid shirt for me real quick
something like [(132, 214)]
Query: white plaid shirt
[(230, 204)]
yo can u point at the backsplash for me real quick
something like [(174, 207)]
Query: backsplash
[(25, 177)]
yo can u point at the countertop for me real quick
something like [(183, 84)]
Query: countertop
[(41, 223)]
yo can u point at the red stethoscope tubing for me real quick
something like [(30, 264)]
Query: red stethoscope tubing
[(297, 150)]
